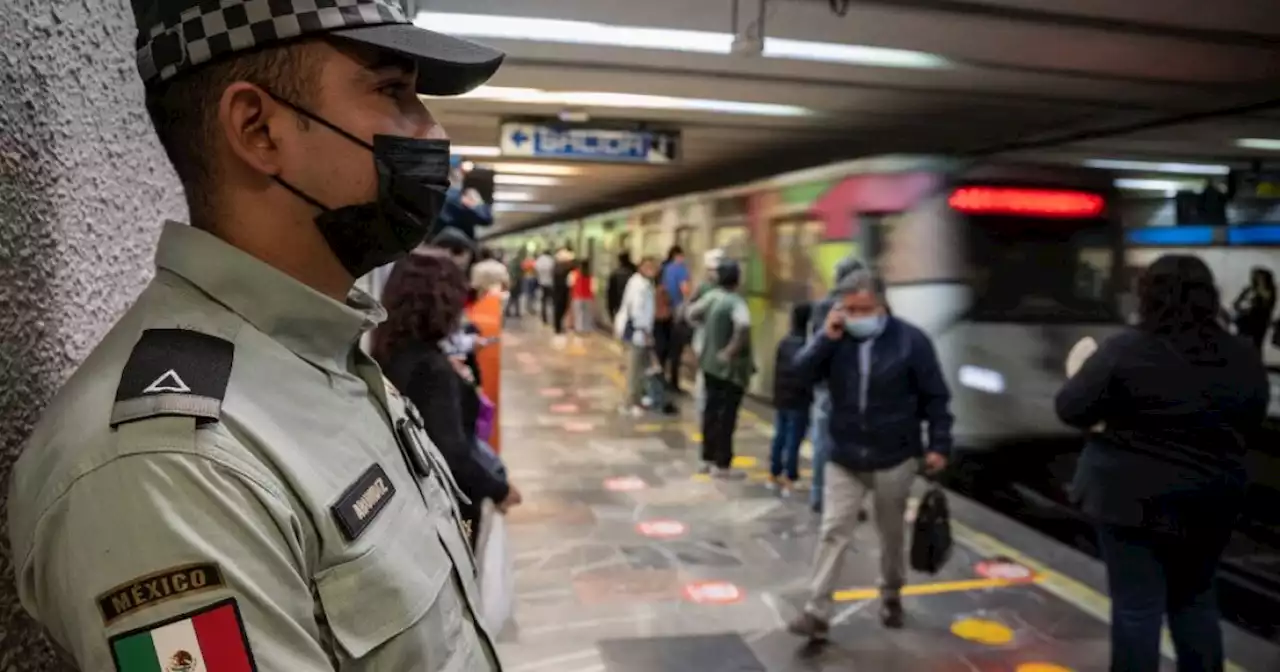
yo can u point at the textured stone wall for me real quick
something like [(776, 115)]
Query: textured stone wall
[(84, 186)]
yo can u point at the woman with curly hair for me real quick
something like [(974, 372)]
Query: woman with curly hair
[(1171, 404), (424, 298)]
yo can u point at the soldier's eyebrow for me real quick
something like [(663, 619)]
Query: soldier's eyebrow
[(382, 64)]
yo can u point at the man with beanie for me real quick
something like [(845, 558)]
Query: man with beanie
[(727, 365)]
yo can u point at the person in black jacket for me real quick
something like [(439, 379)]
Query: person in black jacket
[(792, 398), (886, 386), (618, 282), (1171, 404), (1254, 306), (424, 300)]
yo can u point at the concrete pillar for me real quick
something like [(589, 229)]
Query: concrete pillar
[(84, 187)]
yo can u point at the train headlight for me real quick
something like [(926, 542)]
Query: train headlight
[(983, 380)]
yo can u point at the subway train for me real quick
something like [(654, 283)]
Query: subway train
[(1006, 266)]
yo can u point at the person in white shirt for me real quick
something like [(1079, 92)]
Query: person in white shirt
[(634, 324), (544, 267)]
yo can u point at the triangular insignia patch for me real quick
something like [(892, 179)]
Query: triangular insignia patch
[(169, 382)]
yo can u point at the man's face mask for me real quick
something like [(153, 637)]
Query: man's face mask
[(413, 178), (864, 327)]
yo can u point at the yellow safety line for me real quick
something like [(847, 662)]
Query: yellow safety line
[(862, 594), (1065, 588)]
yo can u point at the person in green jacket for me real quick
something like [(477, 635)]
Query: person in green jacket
[(726, 364)]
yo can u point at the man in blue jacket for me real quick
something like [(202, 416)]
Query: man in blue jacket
[(884, 381)]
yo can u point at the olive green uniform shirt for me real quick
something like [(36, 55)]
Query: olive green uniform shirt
[(128, 513)]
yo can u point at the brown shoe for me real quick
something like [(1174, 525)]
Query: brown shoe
[(809, 626)]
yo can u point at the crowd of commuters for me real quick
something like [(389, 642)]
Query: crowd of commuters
[(1167, 407)]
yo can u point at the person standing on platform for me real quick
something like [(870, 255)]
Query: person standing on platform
[(545, 269), (424, 301), (515, 297), (819, 428), (1255, 306), (633, 324), (885, 382), (583, 296), (727, 366), (489, 274), (529, 284), (710, 262), (618, 282), (793, 400), (227, 480), (1171, 405), (673, 284), (565, 263)]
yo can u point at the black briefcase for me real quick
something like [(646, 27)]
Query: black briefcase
[(931, 539)]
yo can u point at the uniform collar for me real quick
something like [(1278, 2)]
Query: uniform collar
[(310, 324)]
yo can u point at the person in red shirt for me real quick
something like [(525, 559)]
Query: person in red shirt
[(582, 290)]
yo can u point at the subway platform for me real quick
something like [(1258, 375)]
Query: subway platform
[(628, 561)]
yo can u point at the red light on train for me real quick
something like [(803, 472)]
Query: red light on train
[(1026, 202)]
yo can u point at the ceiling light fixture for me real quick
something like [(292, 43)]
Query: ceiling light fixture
[(552, 169), (523, 207), (631, 101), (474, 150), (512, 196), (1269, 144), (1168, 187), (1155, 167), (526, 181), (637, 37)]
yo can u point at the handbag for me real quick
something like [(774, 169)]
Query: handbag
[(931, 537), (496, 567)]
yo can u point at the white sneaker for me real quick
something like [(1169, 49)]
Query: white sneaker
[(558, 342)]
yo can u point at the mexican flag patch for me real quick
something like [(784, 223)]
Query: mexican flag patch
[(211, 639)]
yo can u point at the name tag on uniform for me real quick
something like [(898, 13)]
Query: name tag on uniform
[(363, 501)]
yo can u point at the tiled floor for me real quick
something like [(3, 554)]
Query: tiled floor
[(627, 562)]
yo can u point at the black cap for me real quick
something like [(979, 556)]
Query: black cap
[(176, 36)]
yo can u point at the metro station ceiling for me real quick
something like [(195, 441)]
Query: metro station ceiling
[(940, 76)]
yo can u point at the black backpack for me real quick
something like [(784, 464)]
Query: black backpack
[(931, 540)]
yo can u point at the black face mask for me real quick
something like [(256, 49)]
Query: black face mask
[(413, 178)]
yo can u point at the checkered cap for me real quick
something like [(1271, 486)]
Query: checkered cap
[(215, 28)]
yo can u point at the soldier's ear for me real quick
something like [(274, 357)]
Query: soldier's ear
[(253, 125)]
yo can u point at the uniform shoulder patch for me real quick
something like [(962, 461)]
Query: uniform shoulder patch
[(158, 587), (209, 639), (174, 372)]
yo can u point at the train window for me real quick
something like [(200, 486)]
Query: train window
[(731, 208), (1033, 270), (785, 250)]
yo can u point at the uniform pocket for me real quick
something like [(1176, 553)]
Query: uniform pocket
[(384, 592)]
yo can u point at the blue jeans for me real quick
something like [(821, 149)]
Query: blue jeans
[(1151, 575), (789, 428), (820, 439)]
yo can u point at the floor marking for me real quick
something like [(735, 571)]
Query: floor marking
[(862, 594), (981, 631), (848, 612), (584, 625), (745, 462), (1041, 667)]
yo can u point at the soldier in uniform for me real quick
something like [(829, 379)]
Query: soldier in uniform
[(228, 482)]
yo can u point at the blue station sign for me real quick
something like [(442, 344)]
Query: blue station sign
[(549, 141)]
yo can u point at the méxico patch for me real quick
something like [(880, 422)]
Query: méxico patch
[(211, 639), (363, 501), (162, 586), (174, 372)]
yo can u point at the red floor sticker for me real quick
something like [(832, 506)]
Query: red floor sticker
[(661, 529), (625, 484), (713, 592), (564, 408), (1003, 569), (551, 392)]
